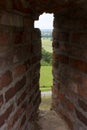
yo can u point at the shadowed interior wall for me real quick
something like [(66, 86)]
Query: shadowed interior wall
[(70, 67), (20, 54)]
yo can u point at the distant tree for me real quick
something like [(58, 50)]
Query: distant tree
[(46, 58), (46, 33)]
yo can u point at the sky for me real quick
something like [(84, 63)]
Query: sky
[(45, 21)]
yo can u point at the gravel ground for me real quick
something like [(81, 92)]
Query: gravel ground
[(49, 120)]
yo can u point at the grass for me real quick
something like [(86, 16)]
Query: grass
[(47, 44), (46, 78), (46, 71), (45, 89)]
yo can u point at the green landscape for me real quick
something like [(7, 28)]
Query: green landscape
[(46, 63), (46, 78), (47, 44)]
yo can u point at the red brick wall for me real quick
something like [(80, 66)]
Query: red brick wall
[(20, 54), (70, 67)]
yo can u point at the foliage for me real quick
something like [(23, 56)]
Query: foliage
[(47, 44), (46, 58), (46, 62), (47, 33)]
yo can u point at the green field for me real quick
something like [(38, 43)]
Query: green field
[(46, 71), (47, 44), (46, 78)]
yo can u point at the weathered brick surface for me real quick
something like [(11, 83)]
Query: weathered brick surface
[(5, 115), (28, 22), (1, 100), (5, 79), (5, 38), (82, 92), (14, 118), (81, 117), (19, 70), (20, 54), (23, 121), (70, 68), (68, 121), (22, 97), (10, 93), (11, 19), (82, 104), (20, 84)]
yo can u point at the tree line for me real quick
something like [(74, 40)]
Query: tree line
[(46, 58)]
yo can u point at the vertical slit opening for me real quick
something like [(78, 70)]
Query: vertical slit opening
[(45, 24)]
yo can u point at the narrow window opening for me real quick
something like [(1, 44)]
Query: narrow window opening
[(45, 24)]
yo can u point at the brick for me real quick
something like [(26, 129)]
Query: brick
[(17, 115), (55, 91), (60, 58), (69, 122), (36, 33), (28, 64), (1, 100), (81, 117), (3, 51), (11, 19), (28, 22), (18, 37), (70, 105), (5, 38), (5, 79), (24, 106), (62, 36), (36, 79), (77, 64), (6, 60), (36, 98), (82, 104), (79, 37), (76, 77), (5, 115), (23, 121), (29, 112), (55, 44), (22, 97), (20, 84), (85, 82), (71, 95), (70, 67), (20, 53), (14, 118), (63, 99), (10, 93), (82, 92), (27, 36), (3, 4), (19, 70)]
